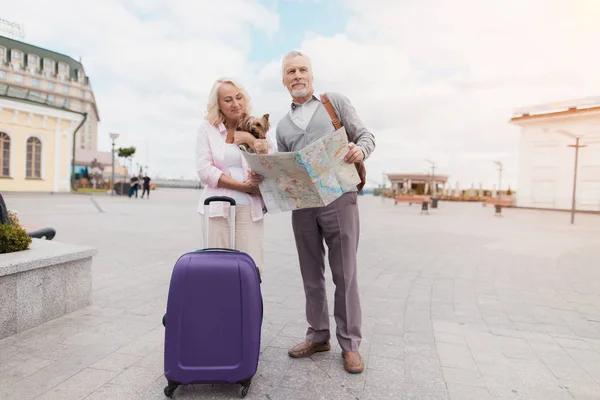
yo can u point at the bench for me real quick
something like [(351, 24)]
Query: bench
[(501, 202), (410, 199), (32, 231)]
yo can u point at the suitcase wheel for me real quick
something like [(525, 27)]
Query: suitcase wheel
[(245, 387), (164, 320), (170, 389)]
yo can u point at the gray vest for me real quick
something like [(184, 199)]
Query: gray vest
[(296, 139)]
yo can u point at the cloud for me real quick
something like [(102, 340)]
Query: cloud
[(151, 63), (440, 79), (433, 79)]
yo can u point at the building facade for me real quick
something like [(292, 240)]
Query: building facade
[(417, 183), (50, 78), (36, 143), (546, 160)]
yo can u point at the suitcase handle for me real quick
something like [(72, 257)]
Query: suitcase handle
[(231, 202), (209, 200)]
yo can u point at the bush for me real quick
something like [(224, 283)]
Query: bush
[(13, 238)]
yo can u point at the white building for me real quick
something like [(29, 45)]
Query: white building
[(547, 163)]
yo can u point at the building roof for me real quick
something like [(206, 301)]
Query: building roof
[(43, 53), (394, 177), (560, 108)]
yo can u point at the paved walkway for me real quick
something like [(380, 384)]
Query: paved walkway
[(458, 304)]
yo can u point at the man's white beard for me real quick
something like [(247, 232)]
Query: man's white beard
[(300, 92)]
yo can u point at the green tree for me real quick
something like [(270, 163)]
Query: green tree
[(126, 153)]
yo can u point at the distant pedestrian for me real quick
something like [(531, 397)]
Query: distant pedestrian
[(133, 186), (146, 185)]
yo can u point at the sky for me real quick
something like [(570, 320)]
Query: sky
[(433, 79)]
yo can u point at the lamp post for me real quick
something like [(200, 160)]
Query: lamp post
[(432, 177), (499, 164), (577, 146), (113, 136), (499, 205)]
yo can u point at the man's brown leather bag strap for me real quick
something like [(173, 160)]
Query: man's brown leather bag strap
[(360, 167), (329, 107)]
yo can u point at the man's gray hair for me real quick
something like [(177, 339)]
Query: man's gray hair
[(293, 54)]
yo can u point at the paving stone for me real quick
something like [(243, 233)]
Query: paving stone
[(117, 362), (456, 356), (79, 385), (458, 305)]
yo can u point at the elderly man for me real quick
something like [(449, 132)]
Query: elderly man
[(336, 223)]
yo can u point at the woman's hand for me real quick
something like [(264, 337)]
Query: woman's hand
[(254, 178), (243, 137), (251, 188)]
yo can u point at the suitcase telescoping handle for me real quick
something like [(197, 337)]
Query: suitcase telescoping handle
[(231, 202)]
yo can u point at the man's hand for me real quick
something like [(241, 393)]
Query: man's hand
[(355, 154)]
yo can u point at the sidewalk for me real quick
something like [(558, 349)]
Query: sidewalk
[(457, 304)]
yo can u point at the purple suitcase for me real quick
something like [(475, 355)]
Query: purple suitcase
[(214, 315)]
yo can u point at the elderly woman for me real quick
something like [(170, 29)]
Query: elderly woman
[(224, 171)]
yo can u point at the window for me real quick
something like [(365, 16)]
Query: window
[(2, 53), (32, 60), (65, 89), (50, 85), (65, 102), (16, 55), (48, 64), (4, 155), (62, 67), (35, 82), (51, 98), (2, 74), (34, 158), (48, 74), (18, 78)]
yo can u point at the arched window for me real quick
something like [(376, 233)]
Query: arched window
[(34, 158), (4, 155)]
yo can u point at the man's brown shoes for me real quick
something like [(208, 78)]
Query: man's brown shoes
[(353, 362), (308, 348)]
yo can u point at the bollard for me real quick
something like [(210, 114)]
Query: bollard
[(425, 208), (434, 203), (498, 208)]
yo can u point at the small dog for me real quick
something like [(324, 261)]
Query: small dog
[(257, 127)]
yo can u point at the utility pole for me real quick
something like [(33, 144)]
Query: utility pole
[(113, 136), (577, 146)]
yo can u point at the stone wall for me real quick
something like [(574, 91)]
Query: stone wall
[(47, 281)]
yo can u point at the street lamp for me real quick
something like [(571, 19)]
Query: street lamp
[(499, 205), (113, 136), (432, 177), (499, 164), (577, 146)]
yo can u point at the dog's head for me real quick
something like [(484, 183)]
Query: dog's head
[(258, 127)]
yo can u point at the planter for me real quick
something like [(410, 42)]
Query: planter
[(47, 281)]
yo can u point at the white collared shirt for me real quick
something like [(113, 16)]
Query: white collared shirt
[(301, 114)]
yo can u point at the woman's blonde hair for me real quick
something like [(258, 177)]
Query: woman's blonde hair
[(214, 115)]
